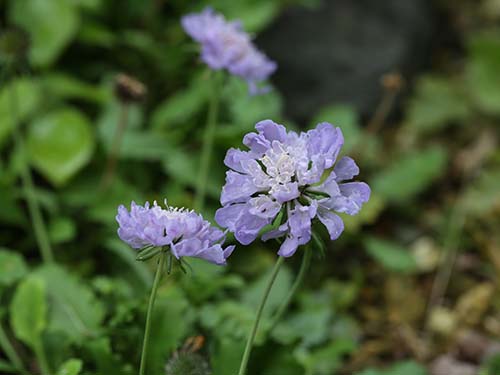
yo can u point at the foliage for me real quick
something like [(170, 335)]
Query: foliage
[(434, 169)]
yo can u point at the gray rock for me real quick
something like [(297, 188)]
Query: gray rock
[(338, 51)]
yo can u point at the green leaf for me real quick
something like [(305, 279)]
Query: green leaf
[(7, 367), (62, 229), (50, 24), (232, 320), (226, 355), (406, 368), (28, 96), (245, 109), (325, 360), (207, 279), (483, 71), (390, 255), (11, 211), (137, 143), (183, 167), (368, 215), (482, 196), (255, 15), (308, 325), (28, 311), (281, 287), (491, 365), (60, 144), (171, 321), (68, 87), (70, 367), (438, 101), (183, 105), (409, 174), (126, 262), (75, 311), (12, 267), (105, 360), (346, 118)]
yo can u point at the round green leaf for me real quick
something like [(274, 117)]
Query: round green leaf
[(70, 367), (60, 144), (390, 255), (28, 311), (27, 94), (50, 24), (12, 267)]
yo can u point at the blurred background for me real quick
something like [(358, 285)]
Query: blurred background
[(104, 101)]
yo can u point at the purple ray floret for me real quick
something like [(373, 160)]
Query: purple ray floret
[(290, 172), (224, 45), (185, 232)]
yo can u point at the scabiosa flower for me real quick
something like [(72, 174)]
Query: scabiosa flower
[(185, 232), (293, 173), (224, 45)]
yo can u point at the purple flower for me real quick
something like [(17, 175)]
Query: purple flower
[(185, 232), (224, 45), (291, 173)]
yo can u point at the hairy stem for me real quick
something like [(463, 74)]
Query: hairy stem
[(107, 177), (10, 352), (306, 260), (152, 298), (208, 143), (41, 235), (251, 338), (41, 357)]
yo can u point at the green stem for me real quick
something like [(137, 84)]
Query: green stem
[(306, 260), (152, 298), (251, 338), (10, 352), (114, 154), (41, 357), (41, 235), (208, 143)]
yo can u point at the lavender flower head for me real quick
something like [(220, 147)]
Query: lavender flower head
[(185, 232), (293, 172), (224, 45)]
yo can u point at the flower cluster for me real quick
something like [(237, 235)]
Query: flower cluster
[(185, 232), (290, 173), (226, 46)]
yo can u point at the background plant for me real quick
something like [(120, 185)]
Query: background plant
[(414, 273)]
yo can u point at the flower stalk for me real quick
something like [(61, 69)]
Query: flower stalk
[(251, 338), (306, 260), (28, 186), (152, 299), (41, 357), (114, 154), (208, 142), (10, 352)]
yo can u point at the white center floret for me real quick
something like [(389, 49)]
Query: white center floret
[(282, 164)]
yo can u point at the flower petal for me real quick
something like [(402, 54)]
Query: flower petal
[(228, 216), (272, 234), (329, 186), (288, 247), (286, 193), (238, 220), (327, 141), (353, 195), (332, 222), (234, 157), (238, 188), (264, 207), (271, 130), (345, 169)]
